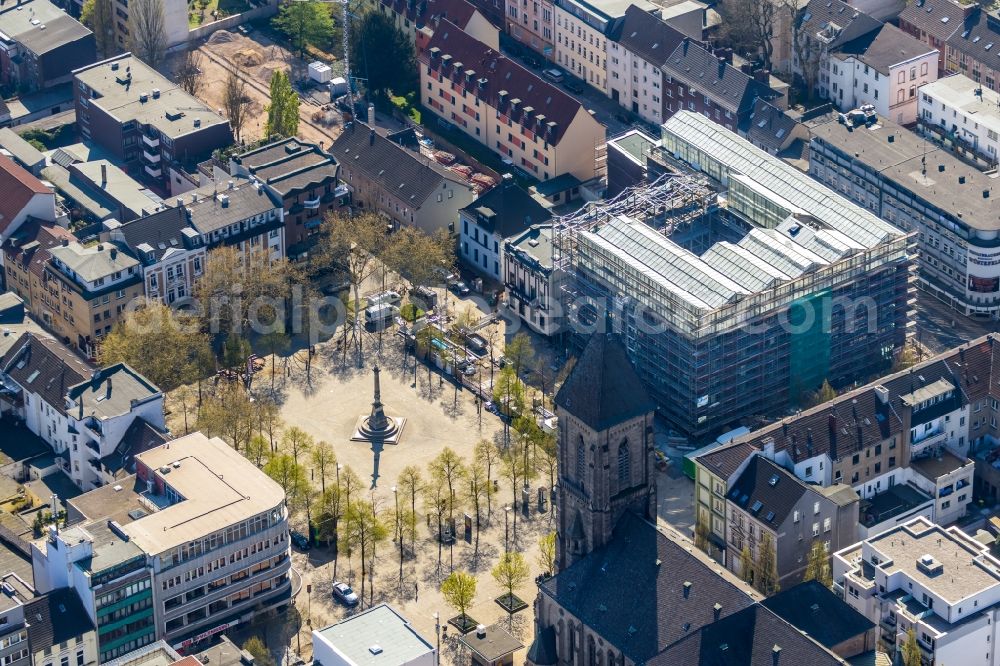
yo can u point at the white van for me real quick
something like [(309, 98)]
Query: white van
[(379, 317)]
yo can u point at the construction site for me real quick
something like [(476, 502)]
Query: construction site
[(737, 283)]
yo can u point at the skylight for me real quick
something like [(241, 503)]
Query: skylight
[(757, 506)]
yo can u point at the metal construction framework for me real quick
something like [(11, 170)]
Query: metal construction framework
[(666, 203)]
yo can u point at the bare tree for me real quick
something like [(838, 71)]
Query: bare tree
[(188, 74), (148, 31), (99, 16), (749, 26), (236, 103)]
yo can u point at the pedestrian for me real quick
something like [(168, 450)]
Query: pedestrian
[(416, 591)]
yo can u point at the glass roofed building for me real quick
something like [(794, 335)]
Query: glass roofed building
[(742, 310)]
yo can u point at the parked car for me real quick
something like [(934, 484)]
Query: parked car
[(343, 593), (554, 74), (299, 540), (573, 85), (460, 288), (390, 297), (532, 60)]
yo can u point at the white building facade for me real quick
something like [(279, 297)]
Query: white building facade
[(941, 583), (963, 115)]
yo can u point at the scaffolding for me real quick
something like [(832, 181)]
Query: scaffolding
[(664, 204)]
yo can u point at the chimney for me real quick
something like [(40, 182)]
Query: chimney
[(180, 202), (114, 253), (508, 180), (107, 392), (718, 610), (986, 194), (480, 631), (961, 180), (371, 138), (769, 448), (775, 654), (892, 138), (722, 66), (224, 199), (762, 76), (687, 588), (231, 185), (104, 174), (65, 242)]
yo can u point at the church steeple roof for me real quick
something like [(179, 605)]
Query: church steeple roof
[(603, 388)]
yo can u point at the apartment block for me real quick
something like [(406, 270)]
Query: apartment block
[(40, 45), (92, 418), (533, 125), (194, 543), (768, 503), (639, 47), (823, 27), (501, 213), (408, 188), (938, 582), (908, 181), (531, 282), (697, 80), (582, 32), (532, 23), (303, 177), (883, 69), (143, 118), (419, 18), (960, 114), (171, 246), (904, 443), (85, 292)]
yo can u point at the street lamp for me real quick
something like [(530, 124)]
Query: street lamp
[(506, 532), (437, 634)]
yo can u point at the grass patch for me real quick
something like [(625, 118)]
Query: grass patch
[(57, 137), (200, 11), (406, 106), (464, 623), (410, 312), (511, 603)]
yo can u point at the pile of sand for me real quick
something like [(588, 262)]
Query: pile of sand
[(248, 57), (221, 37)]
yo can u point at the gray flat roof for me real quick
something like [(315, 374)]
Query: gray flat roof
[(173, 112), (919, 166), (120, 186), (39, 25), (379, 626)]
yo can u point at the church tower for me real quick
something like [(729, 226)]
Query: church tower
[(605, 453)]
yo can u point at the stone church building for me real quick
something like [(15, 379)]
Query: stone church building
[(627, 591)]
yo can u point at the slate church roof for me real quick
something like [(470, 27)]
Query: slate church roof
[(603, 388)]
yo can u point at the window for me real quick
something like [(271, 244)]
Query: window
[(815, 508), (581, 460), (624, 471), (827, 524), (815, 529), (795, 517)]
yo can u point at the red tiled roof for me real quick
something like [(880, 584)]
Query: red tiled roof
[(494, 73), (34, 257), (17, 187), (422, 12)]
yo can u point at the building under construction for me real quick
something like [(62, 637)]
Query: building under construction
[(738, 283)]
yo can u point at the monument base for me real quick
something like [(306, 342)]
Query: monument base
[(361, 433)]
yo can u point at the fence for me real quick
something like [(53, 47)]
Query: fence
[(203, 31)]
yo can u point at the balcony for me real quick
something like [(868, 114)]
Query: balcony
[(153, 171), (150, 141), (151, 157), (311, 204)]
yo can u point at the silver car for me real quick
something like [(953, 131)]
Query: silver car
[(344, 594)]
